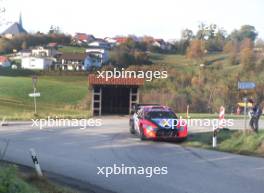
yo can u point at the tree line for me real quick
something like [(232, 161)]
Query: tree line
[(26, 41)]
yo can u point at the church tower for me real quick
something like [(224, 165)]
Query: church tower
[(20, 20)]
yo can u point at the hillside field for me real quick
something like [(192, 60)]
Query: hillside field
[(67, 96), (61, 96)]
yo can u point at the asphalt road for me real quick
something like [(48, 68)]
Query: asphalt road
[(77, 153)]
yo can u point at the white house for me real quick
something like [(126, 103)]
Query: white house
[(72, 61), (99, 44), (100, 53), (82, 61), (44, 52), (110, 40), (4, 62), (36, 63)]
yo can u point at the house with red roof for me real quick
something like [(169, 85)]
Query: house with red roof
[(4, 61), (82, 38), (121, 40)]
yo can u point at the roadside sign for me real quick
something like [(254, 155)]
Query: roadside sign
[(37, 94), (246, 85), (34, 94), (243, 104), (34, 81)]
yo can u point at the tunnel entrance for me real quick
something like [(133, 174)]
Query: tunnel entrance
[(114, 96)]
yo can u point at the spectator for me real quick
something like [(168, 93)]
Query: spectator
[(238, 111), (255, 115)]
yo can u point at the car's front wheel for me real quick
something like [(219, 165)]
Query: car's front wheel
[(142, 135)]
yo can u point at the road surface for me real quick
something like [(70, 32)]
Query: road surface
[(77, 153)]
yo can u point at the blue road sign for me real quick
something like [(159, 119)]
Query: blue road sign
[(246, 85)]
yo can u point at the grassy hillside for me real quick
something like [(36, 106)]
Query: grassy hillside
[(72, 49), (60, 96), (180, 61), (204, 87), (188, 83)]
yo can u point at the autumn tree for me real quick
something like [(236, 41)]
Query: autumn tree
[(232, 49), (195, 50), (247, 58)]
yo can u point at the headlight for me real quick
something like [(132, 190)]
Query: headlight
[(149, 127)]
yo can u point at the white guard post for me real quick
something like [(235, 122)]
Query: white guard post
[(36, 163), (214, 137), (219, 126)]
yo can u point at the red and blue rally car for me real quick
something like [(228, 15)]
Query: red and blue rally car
[(157, 122)]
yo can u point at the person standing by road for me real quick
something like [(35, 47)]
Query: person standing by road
[(255, 115)]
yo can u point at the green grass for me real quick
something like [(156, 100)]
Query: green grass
[(181, 63), (12, 180), (178, 62), (62, 96), (169, 59), (72, 49), (248, 143)]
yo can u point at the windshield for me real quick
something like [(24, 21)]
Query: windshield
[(160, 115)]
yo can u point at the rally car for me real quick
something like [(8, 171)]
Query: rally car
[(157, 122)]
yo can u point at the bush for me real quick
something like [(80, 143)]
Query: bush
[(247, 59), (125, 57)]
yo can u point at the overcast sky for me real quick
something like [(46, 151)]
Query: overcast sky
[(159, 18)]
